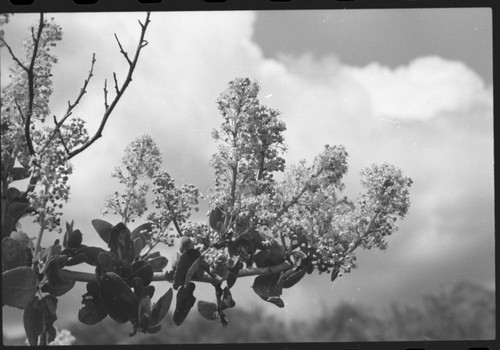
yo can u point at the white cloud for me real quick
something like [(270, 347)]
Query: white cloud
[(423, 89)]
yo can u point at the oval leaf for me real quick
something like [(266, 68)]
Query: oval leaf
[(33, 323), (276, 301), (13, 254), (161, 307), (267, 285), (149, 290), (192, 270), (138, 246), (294, 277), (186, 260), (18, 286), (22, 238), (216, 219), (158, 263), (227, 300), (103, 228), (13, 193), (144, 270), (75, 239), (144, 313), (18, 208), (8, 225), (275, 255), (154, 329), (233, 274), (207, 309), (119, 300), (19, 173), (184, 303), (93, 310), (143, 231), (60, 290), (108, 262), (120, 243)]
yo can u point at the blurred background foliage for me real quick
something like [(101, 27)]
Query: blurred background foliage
[(465, 311)]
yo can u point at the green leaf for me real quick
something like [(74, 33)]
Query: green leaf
[(33, 322), (48, 305), (227, 300), (149, 290), (186, 261), (103, 228), (273, 256), (18, 208), (93, 288), (93, 310), (13, 193), (144, 313), (233, 274), (18, 286), (161, 307), (75, 239), (60, 290), (158, 263), (152, 255), (216, 219), (143, 231), (107, 262), (120, 242), (22, 238), (52, 270), (138, 246), (8, 225), (143, 270), (184, 303), (55, 284), (118, 298), (13, 254), (267, 285), (19, 173), (275, 300), (294, 277), (335, 272), (208, 310), (191, 271), (154, 329), (91, 254)]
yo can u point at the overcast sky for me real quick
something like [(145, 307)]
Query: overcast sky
[(410, 87)]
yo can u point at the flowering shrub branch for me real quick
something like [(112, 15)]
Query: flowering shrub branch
[(34, 150), (275, 230)]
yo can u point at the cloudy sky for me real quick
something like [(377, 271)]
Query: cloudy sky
[(410, 87)]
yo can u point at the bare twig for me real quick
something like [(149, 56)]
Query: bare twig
[(19, 109), (121, 90), (123, 51), (31, 85), (14, 57), (117, 89), (63, 142), (106, 105), (69, 111)]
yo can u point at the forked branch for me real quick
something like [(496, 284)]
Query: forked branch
[(31, 81), (119, 89)]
